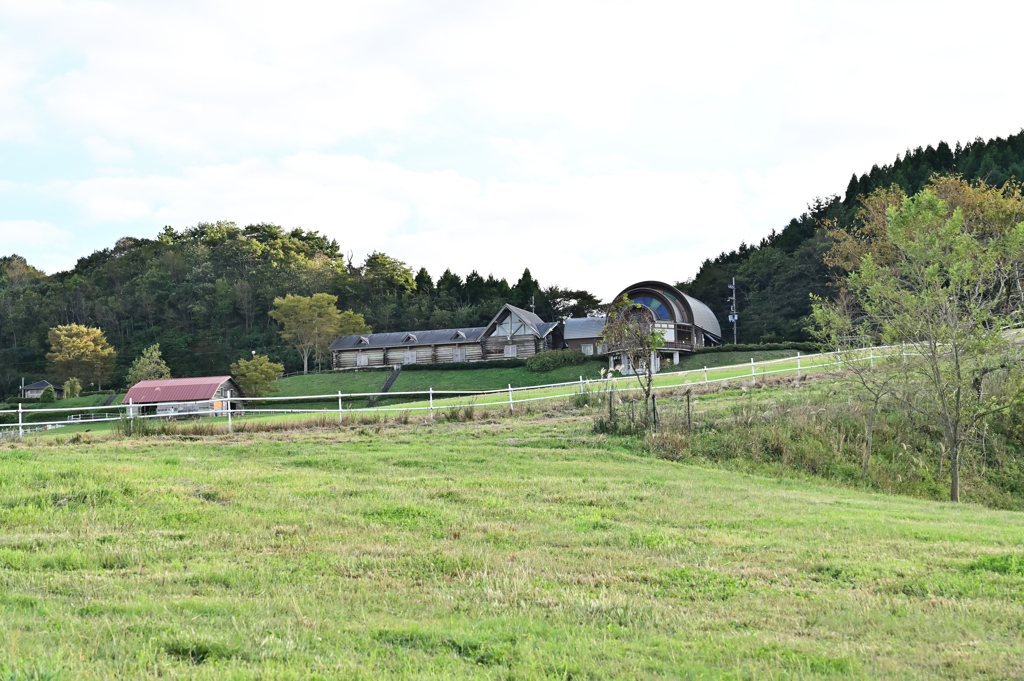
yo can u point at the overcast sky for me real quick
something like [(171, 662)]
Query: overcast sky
[(597, 143)]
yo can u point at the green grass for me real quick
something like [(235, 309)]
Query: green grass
[(514, 548), (722, 359)]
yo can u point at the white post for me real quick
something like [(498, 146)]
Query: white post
[(20, 432), (753, 378), (872, 356), (229, 411), (340, 409), (904, 351), (581, 385), (431, 402), (511, 406), (705, 375), (131, 418), (798, 364)]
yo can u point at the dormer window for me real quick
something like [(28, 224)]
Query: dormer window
[(409, 338), (363, 340), (459, 335)]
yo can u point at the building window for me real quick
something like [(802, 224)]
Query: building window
[(510, 351), (511, 326), (587, 348)]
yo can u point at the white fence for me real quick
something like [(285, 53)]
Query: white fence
[(508, 396)]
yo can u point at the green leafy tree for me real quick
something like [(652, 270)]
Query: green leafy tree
[(72, 388), (629, 332), (258, 376), (310, 323), (945, 290), (148, 366), (49, 395), (77, 350)]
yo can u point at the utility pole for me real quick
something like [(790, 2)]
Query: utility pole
[(733, 314), (533, 304)]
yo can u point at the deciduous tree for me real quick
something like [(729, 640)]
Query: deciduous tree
[(258, 376), (942, 291), (77, 350)]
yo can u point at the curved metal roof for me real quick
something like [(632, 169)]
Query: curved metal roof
[(699, 313)]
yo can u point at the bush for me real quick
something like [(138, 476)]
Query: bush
[(48, 396), (555, 359), (753, 347)]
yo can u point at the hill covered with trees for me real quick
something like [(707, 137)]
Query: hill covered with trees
[(204, 294), (776, 276)]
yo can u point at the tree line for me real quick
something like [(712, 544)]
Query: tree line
[(775, 276), (205, 294)]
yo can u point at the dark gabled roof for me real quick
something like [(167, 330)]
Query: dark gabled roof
[(40, 385), (539, 327), (401, 338), (544, 328), (583, 327)]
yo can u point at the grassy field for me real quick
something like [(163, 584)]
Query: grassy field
[(525, 547), (722, 359)]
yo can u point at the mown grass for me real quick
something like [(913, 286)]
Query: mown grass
[(523, 547), (722, 359)]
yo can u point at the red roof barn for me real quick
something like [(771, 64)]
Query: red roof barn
[(209, 390)]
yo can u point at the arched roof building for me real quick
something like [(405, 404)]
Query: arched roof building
[(669, 305), (685, 322)]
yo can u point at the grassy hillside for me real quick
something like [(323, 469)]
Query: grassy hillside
[(464, 379), (523, 548), (724, 359)]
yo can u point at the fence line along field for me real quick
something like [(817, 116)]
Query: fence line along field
[(418, 396), (521, 547)]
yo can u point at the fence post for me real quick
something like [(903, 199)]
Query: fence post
[(872, 356), (753, 377), (340, 409), (511, 405), (689, 420), (20, 432), (431, 402), (229, 412), (581, 385), (798, 365), (131, 418), (705, 375)]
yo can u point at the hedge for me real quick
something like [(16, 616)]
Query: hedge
[(750, 347)]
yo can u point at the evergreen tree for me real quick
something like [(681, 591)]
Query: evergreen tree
[(148, 366)]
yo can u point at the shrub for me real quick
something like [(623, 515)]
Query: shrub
[(48, 396), (555, 359)]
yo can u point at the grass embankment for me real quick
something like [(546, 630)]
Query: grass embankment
[(722, 359), (519, 548), (416, 380)]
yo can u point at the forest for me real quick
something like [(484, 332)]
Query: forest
[(203, 293), (776, 277)]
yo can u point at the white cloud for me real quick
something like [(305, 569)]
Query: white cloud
[(32, 236), (593, 141), (595, 232)]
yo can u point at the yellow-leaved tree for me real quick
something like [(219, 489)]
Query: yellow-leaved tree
[(81, 351)]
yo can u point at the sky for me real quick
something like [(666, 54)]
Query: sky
[(597, 143)]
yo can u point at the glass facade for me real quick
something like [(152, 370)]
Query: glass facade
[(657, 307)]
